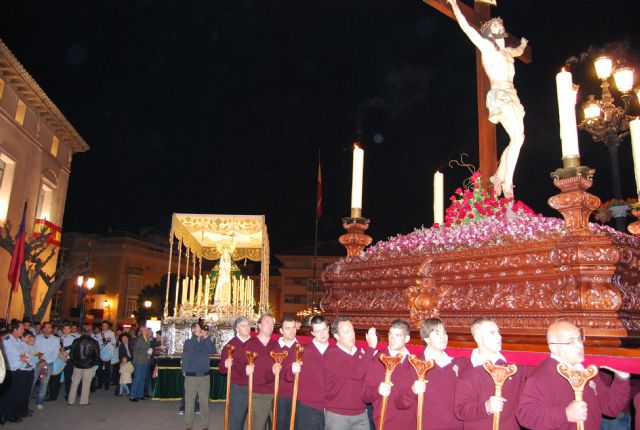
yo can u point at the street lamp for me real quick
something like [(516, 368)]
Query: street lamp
[(86, 283), (147, 304), (608, 123)]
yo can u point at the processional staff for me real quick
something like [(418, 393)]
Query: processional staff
[(390, 364), (421, 367), (299, 352), (251, 356), (499, 374), (578, 379), (230, 350), (277, 359)]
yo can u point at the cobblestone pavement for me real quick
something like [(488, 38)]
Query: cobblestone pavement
[(108, 412)]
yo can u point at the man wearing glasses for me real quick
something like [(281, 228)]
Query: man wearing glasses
[(548, 400)]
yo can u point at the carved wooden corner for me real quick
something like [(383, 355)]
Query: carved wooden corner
[(574, 203), (355, 240)]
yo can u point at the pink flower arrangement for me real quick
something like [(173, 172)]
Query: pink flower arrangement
[(473, 204)]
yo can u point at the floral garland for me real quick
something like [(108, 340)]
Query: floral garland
[(477, 219), (474, 204), (603, 213)]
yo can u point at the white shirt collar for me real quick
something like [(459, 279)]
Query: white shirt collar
[(557, 358), (322, 347), (441, 360), (352, 352), (404, 353), (478, 360), (282, 343)]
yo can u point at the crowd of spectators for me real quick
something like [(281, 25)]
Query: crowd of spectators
[(40, 358)]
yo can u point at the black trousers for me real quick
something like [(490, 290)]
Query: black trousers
[(238, 405), (68, 371), (15, 399), (54, 386), (308, 418), (284, 413), (103, 374)]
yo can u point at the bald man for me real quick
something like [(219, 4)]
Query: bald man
[(475, 400), (548, 402)]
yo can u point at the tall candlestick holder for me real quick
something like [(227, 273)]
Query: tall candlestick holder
[(574, 202), (355, 240)]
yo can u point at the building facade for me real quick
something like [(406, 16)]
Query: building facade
[(292, 291), (37, 145), (121, 264)]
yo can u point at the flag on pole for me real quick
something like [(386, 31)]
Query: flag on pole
[(18, 254), (319, 201)]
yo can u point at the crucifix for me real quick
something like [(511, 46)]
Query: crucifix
[(486, 129)]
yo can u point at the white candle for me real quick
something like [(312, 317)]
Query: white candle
[(634, 126), (185, 284), (567, 115), (356, 181), (438, 198), (207, 286)]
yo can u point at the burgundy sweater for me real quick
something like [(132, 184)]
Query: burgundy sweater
[(286, 387), (473, 389), (344, 375), (238, 371), (437, 410), (263, 377), (546, 395), (311, 386), (402, 377)]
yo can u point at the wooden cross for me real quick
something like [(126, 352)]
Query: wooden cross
[(486, 130)]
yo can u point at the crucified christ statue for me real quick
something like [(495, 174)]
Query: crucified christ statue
[(502, 99)]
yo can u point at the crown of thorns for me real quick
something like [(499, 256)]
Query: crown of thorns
[(488, 24)]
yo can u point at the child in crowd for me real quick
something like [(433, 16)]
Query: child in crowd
[(126, 369)]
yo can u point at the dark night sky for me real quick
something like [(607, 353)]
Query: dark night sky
[(221, 106)]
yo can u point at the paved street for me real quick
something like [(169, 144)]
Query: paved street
[(108, 412)]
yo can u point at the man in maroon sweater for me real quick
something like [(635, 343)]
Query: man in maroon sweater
[(287, 342), (263, 370), (310, 408), (475, 399), (345, 367), (440, 382), (401, 379), (548, 401), (239, 394)]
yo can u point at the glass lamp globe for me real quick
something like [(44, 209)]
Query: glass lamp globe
[(603, 67), (624, 79)]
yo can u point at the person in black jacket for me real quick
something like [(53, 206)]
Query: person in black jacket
[(85, 353)]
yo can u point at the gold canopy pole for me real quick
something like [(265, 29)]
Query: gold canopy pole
[(165, 311), (185, 281), (192, 284), (200, 286), (175, 299)]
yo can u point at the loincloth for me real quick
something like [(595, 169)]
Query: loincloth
[(500, 100)]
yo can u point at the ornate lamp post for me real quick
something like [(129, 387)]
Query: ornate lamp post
[(86, 283), (608, 123)]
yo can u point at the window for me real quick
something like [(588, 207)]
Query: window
[(134, 283), (21, 111), (45, 198), (55, 142), (131, 306), (7, 169), (56, 305), (295, 299)]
